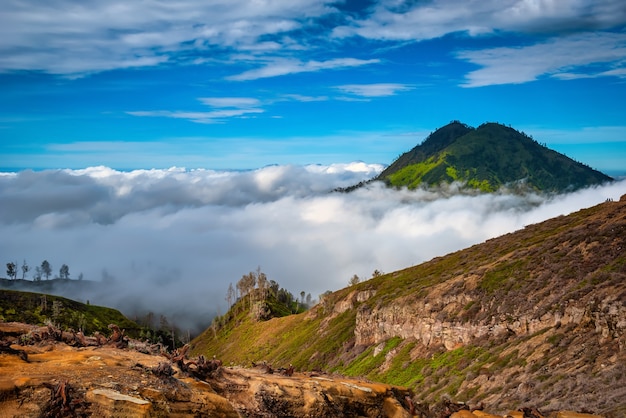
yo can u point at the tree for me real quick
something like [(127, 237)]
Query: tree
[(354, 280), (38, 274), (308, 300), (11, 270), (230, 295), (64, 272), (376, 273), (273, 288), (262, 283), (25, 269), (81, 276), (241, 287), (246, 285), (302, 294), (46, 269), (57, 308)]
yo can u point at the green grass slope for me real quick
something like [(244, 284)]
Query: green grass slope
[(37, 309), (487, 158), (539, 314)]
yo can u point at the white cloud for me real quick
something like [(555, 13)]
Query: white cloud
[(557, 56), (78, 37), (238, 102), (174, 238), (285, 66), (416, 21), (375, 89), (227, 107), (75, 38), (303, 98), (216, 116)]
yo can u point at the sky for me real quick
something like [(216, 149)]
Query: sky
[(168, 148), (241, 84)]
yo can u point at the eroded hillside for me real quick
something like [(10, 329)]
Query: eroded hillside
[(536, 317)]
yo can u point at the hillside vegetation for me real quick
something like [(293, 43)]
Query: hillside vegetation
[(487, 158), (38, 309), (534, 317)]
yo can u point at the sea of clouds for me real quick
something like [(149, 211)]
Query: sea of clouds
[(171, 241)]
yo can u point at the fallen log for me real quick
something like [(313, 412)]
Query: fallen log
[(64, 402), (117, 339)]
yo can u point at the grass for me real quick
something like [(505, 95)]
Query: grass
[(37, 309), (504, 276)]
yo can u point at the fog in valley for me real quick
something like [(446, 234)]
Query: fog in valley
[(171, 241)]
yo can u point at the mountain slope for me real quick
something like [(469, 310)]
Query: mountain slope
[(487, 158), (534, 317), (37, 309)]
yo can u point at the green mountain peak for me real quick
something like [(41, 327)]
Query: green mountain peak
[(487, 158)]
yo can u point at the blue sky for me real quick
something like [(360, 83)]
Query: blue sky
[(234, 84)]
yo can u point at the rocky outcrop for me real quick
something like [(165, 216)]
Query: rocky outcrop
[(421, 321), (255, 393), (109, 403)]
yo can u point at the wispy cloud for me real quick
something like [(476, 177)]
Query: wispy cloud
[(303, 98), (216, 116), (227, 107), (374, 89), (566, 57), (285, 66), (75, 38), (236, 102), (417, 21)]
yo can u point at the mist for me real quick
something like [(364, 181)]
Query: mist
[(171, 241)]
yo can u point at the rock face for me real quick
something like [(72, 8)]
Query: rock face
[(422, 321), (110, 403), (255, 393)]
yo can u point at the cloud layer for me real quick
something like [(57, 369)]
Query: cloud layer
[(273, 38), (172, 240)]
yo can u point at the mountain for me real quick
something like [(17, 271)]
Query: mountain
[(536, 317), (487, 158)]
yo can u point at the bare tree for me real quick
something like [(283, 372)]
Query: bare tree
[(354, 280), (262, 283), (25, 269), (38, 274), (230, 295), (246, 285)]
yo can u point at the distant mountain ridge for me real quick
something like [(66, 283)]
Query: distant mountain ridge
[(487, 158)]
